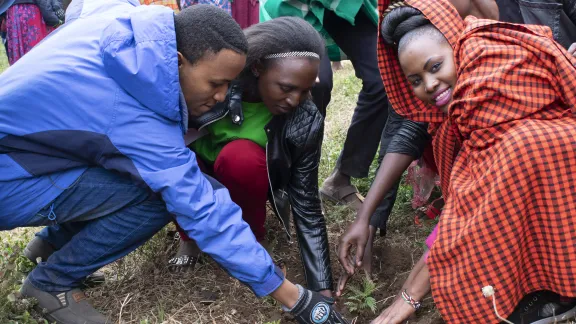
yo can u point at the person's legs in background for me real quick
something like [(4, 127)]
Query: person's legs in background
[(359, 44), (246, 12), (3, 32), (25, 28), (105, 216), (336, 66)]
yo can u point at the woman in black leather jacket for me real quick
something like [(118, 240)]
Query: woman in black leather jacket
[(268, 130)]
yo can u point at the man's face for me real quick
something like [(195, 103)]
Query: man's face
[(485, 9), (206, 82)]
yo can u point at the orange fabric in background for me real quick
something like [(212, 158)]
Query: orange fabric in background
[(506, 153), (172, 4)]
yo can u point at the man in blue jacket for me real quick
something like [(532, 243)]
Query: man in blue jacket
[(91, 145)]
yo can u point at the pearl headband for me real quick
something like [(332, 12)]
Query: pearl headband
[(392, 6), (292, 54)]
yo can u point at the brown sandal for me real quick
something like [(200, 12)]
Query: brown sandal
[(339, 196)]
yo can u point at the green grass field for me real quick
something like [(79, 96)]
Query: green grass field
[(3, 59)]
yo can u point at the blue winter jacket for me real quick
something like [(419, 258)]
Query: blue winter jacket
[(103, 91)]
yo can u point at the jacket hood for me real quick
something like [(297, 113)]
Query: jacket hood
[(139, 53), (4, 5)]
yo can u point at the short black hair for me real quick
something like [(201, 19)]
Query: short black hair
[(403, 25), (281, 35), (202, 29)]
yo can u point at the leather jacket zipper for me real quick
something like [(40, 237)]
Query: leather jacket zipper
[(273, 199), (213, 120)]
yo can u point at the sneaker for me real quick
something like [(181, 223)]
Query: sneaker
[(68, 307), (543, 307), (40, 249)]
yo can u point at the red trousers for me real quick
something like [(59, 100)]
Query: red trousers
[(241, 168)]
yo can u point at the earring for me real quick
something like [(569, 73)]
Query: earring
[(256, 74)]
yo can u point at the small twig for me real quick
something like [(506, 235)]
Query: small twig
[(125, 302), (213, 320), (196, 309), (393, 282), (385, 299), (181, 308)]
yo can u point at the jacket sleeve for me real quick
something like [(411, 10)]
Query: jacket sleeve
[(58, 9), (411, 139), (48, 14), (201, 205), (570, 9), (308, 217), (407, 137)]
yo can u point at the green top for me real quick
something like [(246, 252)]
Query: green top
[(222, 132), (313, 12)]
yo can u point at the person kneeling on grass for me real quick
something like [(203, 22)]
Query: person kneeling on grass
[(411, 139), (91, 144), (265, 142), (500, 101)]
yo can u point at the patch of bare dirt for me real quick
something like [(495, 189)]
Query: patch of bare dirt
[(140, 289)]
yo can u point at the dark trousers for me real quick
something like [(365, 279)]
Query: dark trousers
[(359, 44), (380, 217), (4, 41), (366, 130)]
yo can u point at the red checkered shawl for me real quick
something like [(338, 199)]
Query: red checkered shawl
[(507, 160)]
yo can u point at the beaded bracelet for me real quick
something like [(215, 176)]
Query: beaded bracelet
[(407, 298)]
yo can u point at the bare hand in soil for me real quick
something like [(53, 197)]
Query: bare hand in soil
[(397, 313), (355, 236), (343, 280)]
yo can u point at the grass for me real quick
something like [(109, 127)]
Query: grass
[(3, 59), (139, 288)]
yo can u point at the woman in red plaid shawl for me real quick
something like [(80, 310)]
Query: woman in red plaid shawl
[(500, 100)]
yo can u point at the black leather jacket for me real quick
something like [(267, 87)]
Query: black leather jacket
[(292, 158), (559, 15), (410, 138)]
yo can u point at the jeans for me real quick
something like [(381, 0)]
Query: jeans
[(101, 218)]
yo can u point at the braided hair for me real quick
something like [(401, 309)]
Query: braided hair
[(402, 24)]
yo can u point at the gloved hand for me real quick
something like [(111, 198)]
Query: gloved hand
[(313, 308)]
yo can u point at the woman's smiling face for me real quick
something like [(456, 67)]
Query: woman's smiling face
[(428, 64)]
